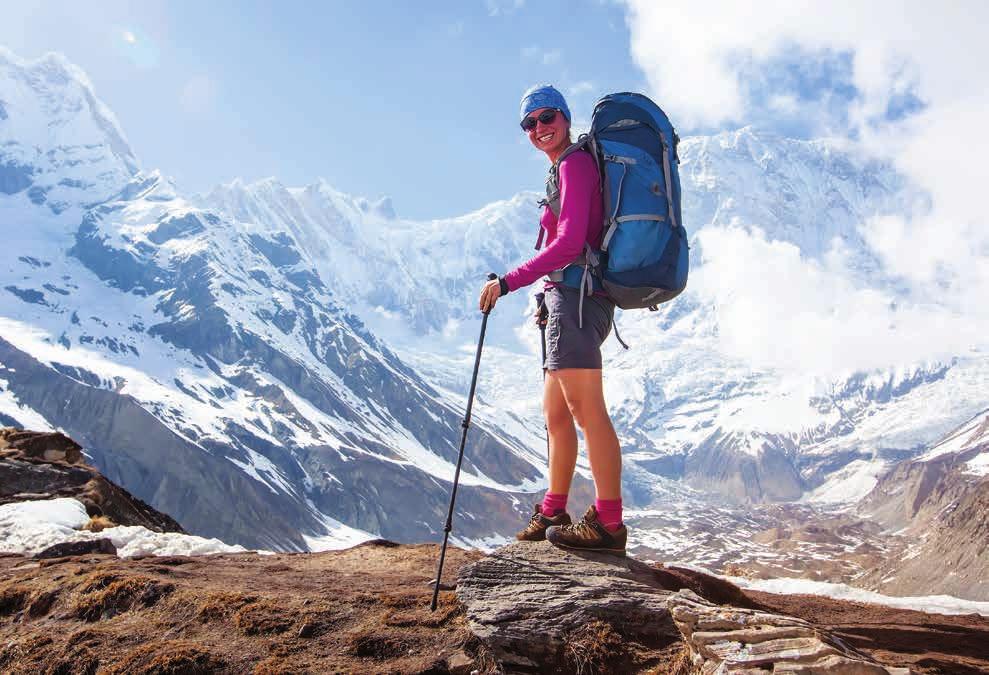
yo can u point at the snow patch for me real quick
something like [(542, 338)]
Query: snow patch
[(31, 527), (849, 484), (934, 604), (979, 466)]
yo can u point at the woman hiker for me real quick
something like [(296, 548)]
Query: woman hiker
[(573, 391)]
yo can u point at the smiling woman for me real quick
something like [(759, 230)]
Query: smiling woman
[(572, 220)]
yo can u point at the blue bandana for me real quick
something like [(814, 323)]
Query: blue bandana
[(543, 96)]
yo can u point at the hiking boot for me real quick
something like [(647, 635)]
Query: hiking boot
[(589, 535), (536, 529)]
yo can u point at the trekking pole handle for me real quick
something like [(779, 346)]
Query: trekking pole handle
[(491, 277), (543, 310)]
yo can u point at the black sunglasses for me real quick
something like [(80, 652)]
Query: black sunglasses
[(546, 117)]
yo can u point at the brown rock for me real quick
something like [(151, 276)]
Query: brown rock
[(526, 600), (84, 547), (50, 447), (460, 663)]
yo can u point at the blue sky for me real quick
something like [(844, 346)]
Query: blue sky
[(419, 100), (414, 100)]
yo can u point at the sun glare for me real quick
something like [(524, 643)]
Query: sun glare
[(129, 37)]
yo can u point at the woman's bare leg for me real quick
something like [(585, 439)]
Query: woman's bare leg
[(562, 436), (583, 391)]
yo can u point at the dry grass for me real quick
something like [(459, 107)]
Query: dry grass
[(171, 657), (106, 595), (682, 665), (74, 660), (596, 648), (414, 613), (484, 661), (13, 599), (219, 605), (263, 617), (675, 661), (42, 603), (98, 524), (115, 616), (374, 644)]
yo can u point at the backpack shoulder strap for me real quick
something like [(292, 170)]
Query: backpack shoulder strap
[(552, 199)]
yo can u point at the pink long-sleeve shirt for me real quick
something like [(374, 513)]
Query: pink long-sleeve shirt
[(581, 220)]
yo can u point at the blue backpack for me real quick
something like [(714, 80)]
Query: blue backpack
[(643, 259)]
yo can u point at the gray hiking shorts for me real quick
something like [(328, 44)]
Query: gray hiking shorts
[(567, 344)]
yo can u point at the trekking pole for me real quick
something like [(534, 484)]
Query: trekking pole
[(463, 440), (543, 315)]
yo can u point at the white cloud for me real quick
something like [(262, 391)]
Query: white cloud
[(808, 316), (693, 69), (198, 95), (804, 312)]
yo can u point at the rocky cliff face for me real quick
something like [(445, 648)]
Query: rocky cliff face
[(940, 504)]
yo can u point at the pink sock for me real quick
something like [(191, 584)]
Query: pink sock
[(609, 513), (554, 504)]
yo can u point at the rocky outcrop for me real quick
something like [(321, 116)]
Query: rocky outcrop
[(529, 601), (731, 639), (34, 445), (537, 608), (36, 465)]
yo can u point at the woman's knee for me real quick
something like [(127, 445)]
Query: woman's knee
[(558, 417), (587, 411)]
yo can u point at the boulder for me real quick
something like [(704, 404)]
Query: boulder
[(49, 447), (84, 547), (536, 606)]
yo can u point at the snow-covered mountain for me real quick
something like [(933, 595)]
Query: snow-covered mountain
[(686, 407), (205, 363), (61, 145), (264, 362)]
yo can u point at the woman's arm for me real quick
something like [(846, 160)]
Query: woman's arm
[(579, 185)]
